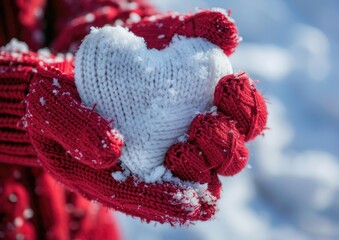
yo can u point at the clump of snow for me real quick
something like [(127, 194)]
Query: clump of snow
[(121, 176), (133, 18), (44, 53), (118, 22), (187, 196), (18, 222), (56, 83), (28, 213), (42, 101), (155, 175), (15, 46), (183, 138)]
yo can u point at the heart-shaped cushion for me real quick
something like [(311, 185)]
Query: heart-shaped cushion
[(151, 94)]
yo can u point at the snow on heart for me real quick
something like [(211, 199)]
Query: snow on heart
[(152, 95)]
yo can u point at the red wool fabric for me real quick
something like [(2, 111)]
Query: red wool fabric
[(32, 204), (61, 129)]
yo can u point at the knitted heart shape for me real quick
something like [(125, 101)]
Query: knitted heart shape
[(151, 94)]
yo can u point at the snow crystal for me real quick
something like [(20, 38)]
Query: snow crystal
[(208, 198), (42, 101), (55, 92), (13, 198), (132, 5), (38, 13), (155, 174), (44, 53), (183, 138), (15, 46), (28, 213), (192, 197), (56, 83), (118, 22), (161, 36), (134, 17), (116, 134), (18, 222), (89, 17), (152, 18), (119, 176)]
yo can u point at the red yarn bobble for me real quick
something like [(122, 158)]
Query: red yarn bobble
[(236, 96)]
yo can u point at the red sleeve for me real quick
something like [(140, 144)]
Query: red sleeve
[(22, 20), (72, 22)]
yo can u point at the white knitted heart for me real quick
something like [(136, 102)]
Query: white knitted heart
[(152, 95)]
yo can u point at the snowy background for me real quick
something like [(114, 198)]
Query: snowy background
[(291, 188)]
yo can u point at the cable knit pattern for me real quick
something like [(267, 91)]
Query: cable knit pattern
[(152, 95)]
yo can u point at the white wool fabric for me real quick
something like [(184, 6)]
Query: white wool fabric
[(151, 94)]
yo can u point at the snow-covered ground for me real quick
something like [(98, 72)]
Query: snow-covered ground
[(291, 189)]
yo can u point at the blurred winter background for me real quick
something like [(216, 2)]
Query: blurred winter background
[(290, 189)]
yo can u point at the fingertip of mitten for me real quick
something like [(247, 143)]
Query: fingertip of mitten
[(187, 163), (220, 142), (215, 26), (237, 97)]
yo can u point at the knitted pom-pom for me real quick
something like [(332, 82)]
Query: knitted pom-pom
[(236, 96), (186, 162), (221, 143)]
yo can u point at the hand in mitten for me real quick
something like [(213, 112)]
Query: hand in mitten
[(152, 96)]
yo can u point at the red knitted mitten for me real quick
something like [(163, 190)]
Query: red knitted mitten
[(152, 96)]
